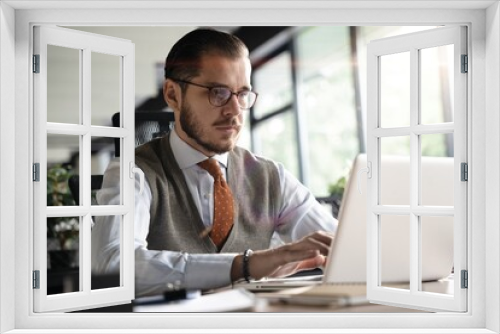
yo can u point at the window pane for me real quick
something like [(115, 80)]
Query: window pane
[(328, 108), (62, 163), (395, 250), (63, 85), (395, 170), (63, 239), (395, 90), (106, 260), (106, 88), (436, 84), (435, 254), (437, 172), (103, 152), (273, 82), (276, 139)]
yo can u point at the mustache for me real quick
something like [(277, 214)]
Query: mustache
[(228, 122)]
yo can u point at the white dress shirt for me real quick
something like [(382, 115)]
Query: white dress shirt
[(157, 271)]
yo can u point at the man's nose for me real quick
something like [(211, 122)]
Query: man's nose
[(232, 107)]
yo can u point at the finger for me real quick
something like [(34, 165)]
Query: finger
[(323, 248), (311, 263), (323, 237), (298, 255), (310, 243)]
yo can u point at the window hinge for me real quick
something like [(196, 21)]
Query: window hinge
[(465, 64), (36, 172), (36, 279), (464, 279), (36, 63), (464, 171)]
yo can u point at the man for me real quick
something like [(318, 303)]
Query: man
[(184, 236)]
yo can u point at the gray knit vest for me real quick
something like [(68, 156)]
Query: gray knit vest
[(175, 221)]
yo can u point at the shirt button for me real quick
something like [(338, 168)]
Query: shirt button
[(207, 195)]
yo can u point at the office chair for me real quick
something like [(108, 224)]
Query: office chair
[(74, 187), (148, 125)]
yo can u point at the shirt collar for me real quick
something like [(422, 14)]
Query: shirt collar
[(186, 156)]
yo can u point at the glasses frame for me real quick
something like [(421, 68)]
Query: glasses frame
[(237, 94)]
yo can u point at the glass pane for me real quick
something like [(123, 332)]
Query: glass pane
[(106, 244), (276, 139), (63, 238), (63, 155), (437, 170), (63, 85), (103, 153), (326, 78), (395, 170), (395, 251), (436, 84), (395, 90), (273, 81), (106, 88), (437, 252), (323, 51)]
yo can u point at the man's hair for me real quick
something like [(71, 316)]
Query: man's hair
[(184, 58)]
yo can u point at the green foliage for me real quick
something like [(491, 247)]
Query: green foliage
[(64, 229), (337, 189), (58, 193)]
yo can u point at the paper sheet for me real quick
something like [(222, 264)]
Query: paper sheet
[(225, 301)]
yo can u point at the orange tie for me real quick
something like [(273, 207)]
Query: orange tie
[(223, 204)]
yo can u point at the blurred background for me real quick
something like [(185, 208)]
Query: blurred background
[(311, 111)]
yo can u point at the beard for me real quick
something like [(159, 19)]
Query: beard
[(195, 131)]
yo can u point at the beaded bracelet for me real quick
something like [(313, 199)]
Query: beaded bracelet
[(246, 258)]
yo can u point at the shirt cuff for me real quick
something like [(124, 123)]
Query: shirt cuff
[(206, 271)]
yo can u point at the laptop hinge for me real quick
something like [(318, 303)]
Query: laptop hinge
[(464, 279)]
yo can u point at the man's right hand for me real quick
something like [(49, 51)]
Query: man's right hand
[(308, 253)]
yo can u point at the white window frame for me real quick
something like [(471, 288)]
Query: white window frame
[(86, 44), (483, 20), (412, 44)]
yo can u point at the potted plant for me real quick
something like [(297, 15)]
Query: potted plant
[(62, 232), (336, 191)]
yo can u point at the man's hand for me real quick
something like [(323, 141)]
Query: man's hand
[(308, 253)]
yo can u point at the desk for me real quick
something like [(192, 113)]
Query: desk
[(239, 300), (364, 308)]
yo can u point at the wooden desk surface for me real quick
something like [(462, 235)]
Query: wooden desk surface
[(281, 307)]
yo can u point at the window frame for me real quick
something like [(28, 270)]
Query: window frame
[(85, 44), (482, 316)]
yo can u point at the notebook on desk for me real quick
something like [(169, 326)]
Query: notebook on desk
[(346, 265)]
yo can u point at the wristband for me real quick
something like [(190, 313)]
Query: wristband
[(246, 259)]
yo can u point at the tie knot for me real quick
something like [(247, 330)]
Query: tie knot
[(212, 167)]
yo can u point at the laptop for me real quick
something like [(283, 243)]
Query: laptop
[(346, 265)]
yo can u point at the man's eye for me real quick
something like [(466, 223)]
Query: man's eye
[(244, 94), (220, 93)]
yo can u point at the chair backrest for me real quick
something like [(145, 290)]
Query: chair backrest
[(74, 187), (148, 125)]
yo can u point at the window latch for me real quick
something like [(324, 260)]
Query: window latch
[(368, 171), (134, 170)]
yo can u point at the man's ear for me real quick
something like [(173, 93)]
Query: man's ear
[(171, 93)]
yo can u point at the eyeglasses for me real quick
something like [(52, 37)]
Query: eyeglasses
[(219, 96)]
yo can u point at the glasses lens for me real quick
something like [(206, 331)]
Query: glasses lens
[(246, 99), (219, 96)]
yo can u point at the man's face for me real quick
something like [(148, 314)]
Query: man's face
[(207, 128)]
